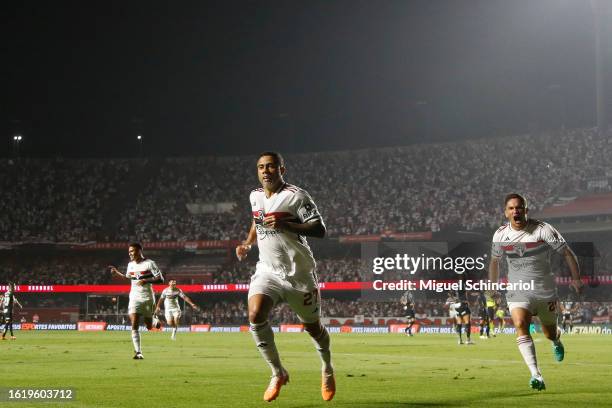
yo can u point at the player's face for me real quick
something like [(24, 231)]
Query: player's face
[(172, 284), (270, 173), (516, 213), (135, 254)]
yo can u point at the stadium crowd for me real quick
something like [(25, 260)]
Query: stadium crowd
[(422, 187)]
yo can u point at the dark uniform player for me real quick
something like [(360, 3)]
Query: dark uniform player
[(407, 301), (566, 318), (464, 314), (8, 301), (483, 312)]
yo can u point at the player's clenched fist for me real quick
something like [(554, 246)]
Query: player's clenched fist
[(242, 250), (274, 222)]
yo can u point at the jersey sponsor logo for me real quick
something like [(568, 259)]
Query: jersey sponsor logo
[(308, 211)]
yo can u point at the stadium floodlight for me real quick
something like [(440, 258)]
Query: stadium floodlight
[(17, 138), (139, 137)]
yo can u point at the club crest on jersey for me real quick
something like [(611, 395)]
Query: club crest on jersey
[(259, 216), (520, 248)]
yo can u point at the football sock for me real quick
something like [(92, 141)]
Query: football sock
[(11, 328), (264, 339), (527, 349), (174, 332), (410, 328), (136, 340), (458, 329), (468, 330), (557, 341), (322, 346)]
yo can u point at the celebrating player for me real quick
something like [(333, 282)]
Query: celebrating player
[(172, 309), (144, 273), (527, 245), (283, 216), (8, 301)]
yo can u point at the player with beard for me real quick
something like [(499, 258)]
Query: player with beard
[(527, 246)]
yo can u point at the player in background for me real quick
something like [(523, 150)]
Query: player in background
[(463, 316), (484, 316), (143, 273), (527, 246), (491, 304), (8, 301), (283, 216), (450, 303), (408, 302), (500, 315), (567, 309), (172, 309)]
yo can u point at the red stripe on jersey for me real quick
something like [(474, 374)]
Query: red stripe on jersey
[(528, 245)]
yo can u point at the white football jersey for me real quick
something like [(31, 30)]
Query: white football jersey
[(142, 270), (170, 297), (283, 252), (528, 254)]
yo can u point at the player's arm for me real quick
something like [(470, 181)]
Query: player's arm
[(494, 269), (193, 305), (159, 301), (572, 263), (17, 302), (314, 228), (307, 220), (156, 278), (116, 271), (553, 238), (245, 246)]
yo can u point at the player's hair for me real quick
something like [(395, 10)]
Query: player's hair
[(515, 195), (136, 245), (278, 158)]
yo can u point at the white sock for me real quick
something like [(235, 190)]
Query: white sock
[(136, 340), (322, 346), (264, 339), (174, 332), (527, 349)]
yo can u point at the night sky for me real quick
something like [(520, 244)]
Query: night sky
[(232, 77)]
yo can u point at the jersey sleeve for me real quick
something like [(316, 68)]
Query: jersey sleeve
[(181, 293), (496, 245), (163, 294), (155, 269), (553, 238), (305, 207)]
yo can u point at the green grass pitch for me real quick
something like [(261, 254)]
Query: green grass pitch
[(375, 370)]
